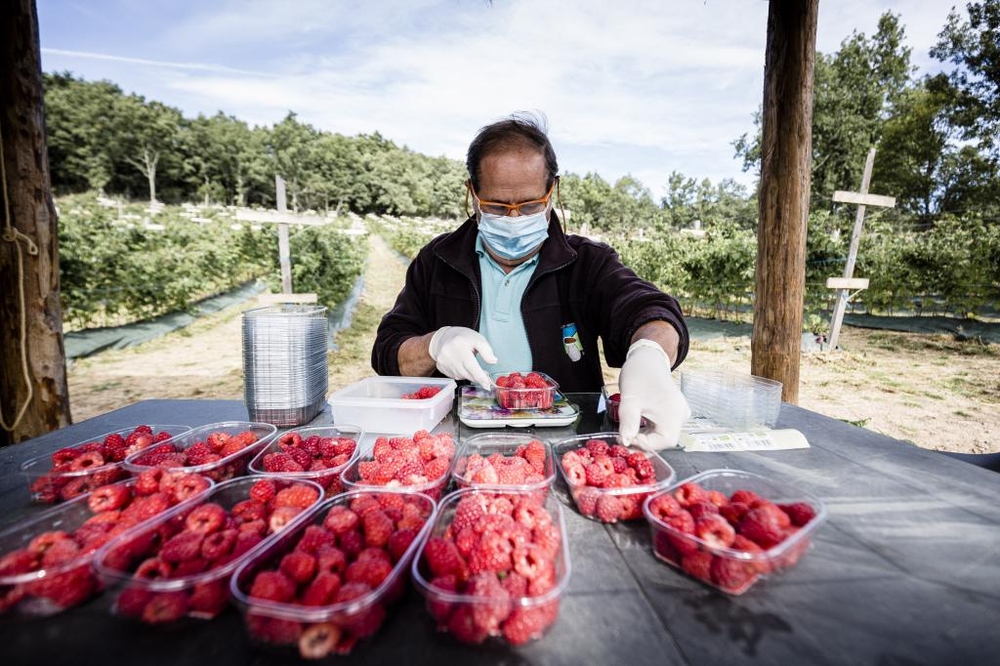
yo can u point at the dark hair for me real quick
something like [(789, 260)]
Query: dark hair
[(521, 129)]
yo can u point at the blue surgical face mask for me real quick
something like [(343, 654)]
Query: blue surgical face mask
[(514, 237)]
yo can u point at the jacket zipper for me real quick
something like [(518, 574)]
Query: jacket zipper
[(475, 290)]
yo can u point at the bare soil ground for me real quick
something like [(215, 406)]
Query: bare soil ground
[(931, 390)]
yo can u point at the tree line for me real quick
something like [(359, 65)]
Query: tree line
[(936, 135)]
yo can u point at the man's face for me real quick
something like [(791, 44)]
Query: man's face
[(513, 176)]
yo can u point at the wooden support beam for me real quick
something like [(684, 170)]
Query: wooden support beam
[(30, 313), (786, 157)]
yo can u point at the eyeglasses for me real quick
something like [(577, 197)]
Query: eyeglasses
[(532, 207)]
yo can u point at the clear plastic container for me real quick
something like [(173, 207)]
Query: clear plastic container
[(525, 398), (506, 445), (514, 619), (147, 587), (612, 401), (609, 505), (52, 589), (227, 467), (49, 485), (318, 630), (329, 477), (732, 399), (435, 487), (376, 404), (732, 570)]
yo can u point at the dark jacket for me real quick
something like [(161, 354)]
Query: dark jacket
[(576, 280)]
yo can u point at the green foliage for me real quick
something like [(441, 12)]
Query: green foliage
[(116, 270), (326, 261)]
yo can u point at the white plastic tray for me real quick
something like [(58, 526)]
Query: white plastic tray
[(376, 404), (478, 409)]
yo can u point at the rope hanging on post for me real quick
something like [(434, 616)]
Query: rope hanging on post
[(12, 235)]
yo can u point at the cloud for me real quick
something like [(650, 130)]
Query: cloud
[(646, 87)]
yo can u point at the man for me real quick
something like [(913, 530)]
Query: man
[(512, 288)]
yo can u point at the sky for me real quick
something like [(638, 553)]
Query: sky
[(634, 87)]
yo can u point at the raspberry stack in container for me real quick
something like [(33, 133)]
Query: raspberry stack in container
[(418, 464), (319, 454), (329, 581), (46, 560), (178, 564), (728, 528), (494, 566), (285, 372)]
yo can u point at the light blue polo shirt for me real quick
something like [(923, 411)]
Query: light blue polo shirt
[(501, 323)]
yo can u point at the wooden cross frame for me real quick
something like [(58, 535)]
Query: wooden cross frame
[(282, 218), (848, 282)]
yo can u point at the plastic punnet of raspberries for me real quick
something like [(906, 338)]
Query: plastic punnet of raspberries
[(726, 542), (608, 482), (85, 525), (200, 546), (525, 468), (218, 456), (293, 455), (528, 391), (422, 393), (352, 557), (80, 469), (491, 570), (419, 463)]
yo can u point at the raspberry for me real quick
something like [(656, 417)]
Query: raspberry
[(492, 553), (219, 545), (714, 531), (377, 528), (153, 568), (87, 461), (109, 498), (780, 516), (351, 543), (362, 504), (206, 518), (762, 527), (322, 590), (528, 623), (298, 566), (182, 546), (442, 557), (399, 542), (529, 560), (547, 539), (732, 575), (114, 448), (132, 601), (273, 630), (690, 493), (319, 640), (195, 565), (280, 517), (289, 440), (698, 564), (248, 511), (699, 510), (67, 589), (597, 447), (436, 468), (297, 496), (148, 481), (65, 455), (76, 487), (717, 498), (188, 485), (165, 607), (208, 599), (272, 586), (315, 537), (491, 601), (46, 540), (745, 496), (60, 552), (609, 508), (18, 562), (799, 513), (734, 512), (464, 628), (531, 514), (340, 519), (369, 571), (281, 462), (245, 540), (663, 506), (586, 501), (331, 560)]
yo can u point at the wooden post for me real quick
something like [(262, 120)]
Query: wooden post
[(284, 252), (862, 199), (29, 249), (786, 155)]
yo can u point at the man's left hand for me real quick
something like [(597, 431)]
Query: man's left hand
[(648, 390)]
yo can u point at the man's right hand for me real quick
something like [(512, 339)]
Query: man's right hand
[(454, 348)]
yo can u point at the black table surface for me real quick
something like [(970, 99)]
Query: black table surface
[(906, 570)]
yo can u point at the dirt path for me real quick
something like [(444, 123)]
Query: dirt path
[(931, 390)]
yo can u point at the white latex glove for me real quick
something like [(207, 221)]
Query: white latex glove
[(648, 390), (454, 350)]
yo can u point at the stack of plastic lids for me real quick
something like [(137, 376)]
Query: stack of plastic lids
[(732, 399), (284, 363)]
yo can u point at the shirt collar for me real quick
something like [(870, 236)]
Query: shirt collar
[(481, 251)]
